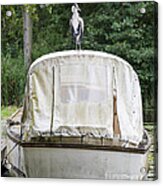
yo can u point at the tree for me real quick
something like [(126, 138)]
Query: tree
[(27, 37)]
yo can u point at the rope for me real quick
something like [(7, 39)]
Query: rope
[(11, 150)]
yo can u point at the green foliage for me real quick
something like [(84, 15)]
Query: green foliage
[(52, 33), (117, 28), (7, 111), (13, 80), (12, 30)]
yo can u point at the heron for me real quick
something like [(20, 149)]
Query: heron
[(77, 25)]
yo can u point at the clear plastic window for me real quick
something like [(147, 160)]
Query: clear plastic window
[(86, 83)]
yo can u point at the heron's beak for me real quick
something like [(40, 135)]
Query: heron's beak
[(77, 7)]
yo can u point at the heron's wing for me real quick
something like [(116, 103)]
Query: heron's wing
[(70, 22), (81, 23), (70, 25)]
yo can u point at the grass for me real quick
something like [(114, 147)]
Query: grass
[(6, 112)]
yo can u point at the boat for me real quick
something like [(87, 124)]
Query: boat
[(81, 118)]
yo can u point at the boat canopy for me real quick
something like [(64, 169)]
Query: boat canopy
[(71, 93)]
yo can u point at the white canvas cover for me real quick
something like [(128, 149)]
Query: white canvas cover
[(71, 93)]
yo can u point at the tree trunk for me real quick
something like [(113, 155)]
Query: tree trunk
[(27, 38)]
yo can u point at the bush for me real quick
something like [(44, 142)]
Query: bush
[(13, 80)]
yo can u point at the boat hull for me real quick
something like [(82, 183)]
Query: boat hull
[(60, 158), (84, 163), (60, 162)]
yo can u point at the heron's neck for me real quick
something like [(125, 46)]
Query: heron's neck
[(75, 14)]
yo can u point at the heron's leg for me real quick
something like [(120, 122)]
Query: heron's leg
[(76, 46)]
